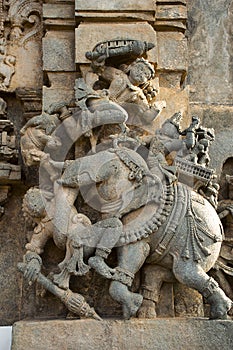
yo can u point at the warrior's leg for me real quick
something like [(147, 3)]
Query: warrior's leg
[(191, 274), (110, 231), (39, 238), (130, 260)]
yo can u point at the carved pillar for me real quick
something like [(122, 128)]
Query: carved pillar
[(58, 52)]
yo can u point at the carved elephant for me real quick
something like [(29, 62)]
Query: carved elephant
[(164, 223)]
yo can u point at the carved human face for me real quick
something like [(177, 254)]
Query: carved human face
[(139, 74)]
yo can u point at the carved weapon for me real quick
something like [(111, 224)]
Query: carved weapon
[(118, 47), (74, 302)]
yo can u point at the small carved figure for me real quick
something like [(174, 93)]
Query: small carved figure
[(130, 84), (197, 141), (35, 136), (7, 65)]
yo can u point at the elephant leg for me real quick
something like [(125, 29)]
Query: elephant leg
[(153, 277), (130, 260), (192, 275)]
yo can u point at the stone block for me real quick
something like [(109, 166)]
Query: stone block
[(61, 88), (12, 241), (58, 51), (114, 5), (211, 52), (169, 334), (28, 65), (88, 35), (172, 51), (58, 10), (118, 9), (171, 12)]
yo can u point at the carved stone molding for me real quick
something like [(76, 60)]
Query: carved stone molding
[(31, 100), (25, 19)]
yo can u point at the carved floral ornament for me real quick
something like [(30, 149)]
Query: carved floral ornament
[(25, 23), (146, 212), (25, 19)]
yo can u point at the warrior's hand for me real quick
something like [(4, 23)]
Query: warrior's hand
[(32, 267)]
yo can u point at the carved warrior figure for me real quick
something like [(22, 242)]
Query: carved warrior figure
[(7, 65), (130, 82), (147, 215)]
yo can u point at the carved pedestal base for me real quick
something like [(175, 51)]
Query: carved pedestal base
[(169, 334)]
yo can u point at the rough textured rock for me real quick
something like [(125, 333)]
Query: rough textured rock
[(166, 334)]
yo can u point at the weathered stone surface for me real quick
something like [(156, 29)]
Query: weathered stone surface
[(58, 10), (168, 12), (210, 51), (117, 16), (172, 25), (11, 249), (60, 87), (176, 100), (88, 35), (58, 51), (188, 302), (173, 1), (115, 5), (172, 51), (166, 334), (28, 65)]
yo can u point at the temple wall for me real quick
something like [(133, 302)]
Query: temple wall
[(193, 55)]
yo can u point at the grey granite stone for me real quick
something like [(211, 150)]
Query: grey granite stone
[(169, 334)]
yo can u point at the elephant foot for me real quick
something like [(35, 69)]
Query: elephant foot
[(98, 264), (220, 304), (147, 309), (131, 307), (62, 279)]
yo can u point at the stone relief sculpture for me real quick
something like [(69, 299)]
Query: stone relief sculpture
[(25, 19), (9, 168), (152, 218), (7, 65)]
